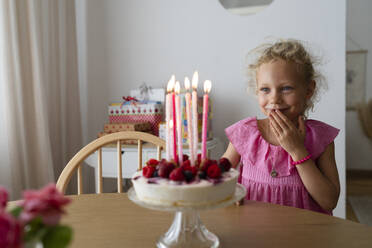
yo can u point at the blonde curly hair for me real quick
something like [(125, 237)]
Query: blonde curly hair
[(291, 51)]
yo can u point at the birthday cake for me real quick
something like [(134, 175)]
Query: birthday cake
[(164, 183)]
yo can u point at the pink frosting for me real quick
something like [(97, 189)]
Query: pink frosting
[(258, 157)]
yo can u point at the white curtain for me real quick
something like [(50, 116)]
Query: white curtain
[(41, 127)]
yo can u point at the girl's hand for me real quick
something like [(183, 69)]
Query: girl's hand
[(291, 138)]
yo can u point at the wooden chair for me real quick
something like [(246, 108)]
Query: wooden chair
[(96, 145)]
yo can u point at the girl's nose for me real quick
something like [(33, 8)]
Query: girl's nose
[(275, 97)]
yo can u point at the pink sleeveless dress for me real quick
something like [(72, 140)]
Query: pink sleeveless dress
[(259, 158)]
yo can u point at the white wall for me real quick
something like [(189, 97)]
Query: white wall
[(359, 37), (130, 42)]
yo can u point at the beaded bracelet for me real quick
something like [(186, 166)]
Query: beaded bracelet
[(301, 160)]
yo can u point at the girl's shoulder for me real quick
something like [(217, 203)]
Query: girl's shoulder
[(247, 125), (319, 135), (242, 133)]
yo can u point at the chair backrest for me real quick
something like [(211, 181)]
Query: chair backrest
[(96, 145)]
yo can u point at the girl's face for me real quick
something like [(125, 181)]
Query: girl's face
[(281, 86)]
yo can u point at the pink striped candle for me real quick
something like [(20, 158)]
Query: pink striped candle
[(194, 108), (207, 88), (168, 107), (177, 89), (174, 127), (189, 122)]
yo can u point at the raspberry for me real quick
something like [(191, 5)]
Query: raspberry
[(165, 169), (185, 157), (225, 163), (194, 170), (177, 175), (148, 171), (206, 163), (185, 166), (214, 171), (152, 162), (186, 163)]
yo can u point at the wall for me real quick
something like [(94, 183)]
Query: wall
[(359, 37), (125, 43)]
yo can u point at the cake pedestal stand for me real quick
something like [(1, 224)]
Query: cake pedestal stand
[(187, 230)]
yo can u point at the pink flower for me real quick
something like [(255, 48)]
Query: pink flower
[(46, 203), (3, 198), (10, 231)]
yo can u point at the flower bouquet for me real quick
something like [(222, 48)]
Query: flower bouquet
[(34, 221)]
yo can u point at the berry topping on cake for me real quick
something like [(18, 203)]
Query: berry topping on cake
[(165, 168), (202, 174), (152, 162), (214, 171), (206, 163), (225, 164), (185, 157), (188, 175), (148, 171), (177, 175)]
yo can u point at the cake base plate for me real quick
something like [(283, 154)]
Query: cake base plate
[(187, 230)]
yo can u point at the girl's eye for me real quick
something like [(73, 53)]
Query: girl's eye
[(265, 90), (287, 88)]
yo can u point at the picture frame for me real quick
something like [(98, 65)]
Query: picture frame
[(356, 62)]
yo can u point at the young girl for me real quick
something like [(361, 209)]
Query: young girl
[(284, 158)]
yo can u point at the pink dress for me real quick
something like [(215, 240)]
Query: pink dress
[(259, 158)]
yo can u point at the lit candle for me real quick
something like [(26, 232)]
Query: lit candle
[(168, 107), (177, 89), (207, 88), (194, 105), (174, 128), (189, 121)]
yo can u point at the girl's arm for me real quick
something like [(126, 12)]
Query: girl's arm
[(232, 155), (320, 179)]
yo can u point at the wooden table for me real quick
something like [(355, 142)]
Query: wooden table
[(112, 220)]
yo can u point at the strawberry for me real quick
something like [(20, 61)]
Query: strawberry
[(214, 171), (152, 162), (177, 175), (225, 164), (148, 171)]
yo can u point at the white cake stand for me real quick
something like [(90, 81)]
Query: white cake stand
[(187, 230)]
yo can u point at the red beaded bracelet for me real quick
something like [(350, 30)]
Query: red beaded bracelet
[(301, 160)]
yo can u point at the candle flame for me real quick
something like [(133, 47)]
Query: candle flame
[(177, 87), (170, 124), (195, 79), (207, 86), (187, 83), (170, 85)]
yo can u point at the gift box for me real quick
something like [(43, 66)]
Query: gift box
[(137, 112), (118, 127)]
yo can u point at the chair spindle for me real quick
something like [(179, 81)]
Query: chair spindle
[(139, 155), (120, 189), (99, 179), (80, 180)]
